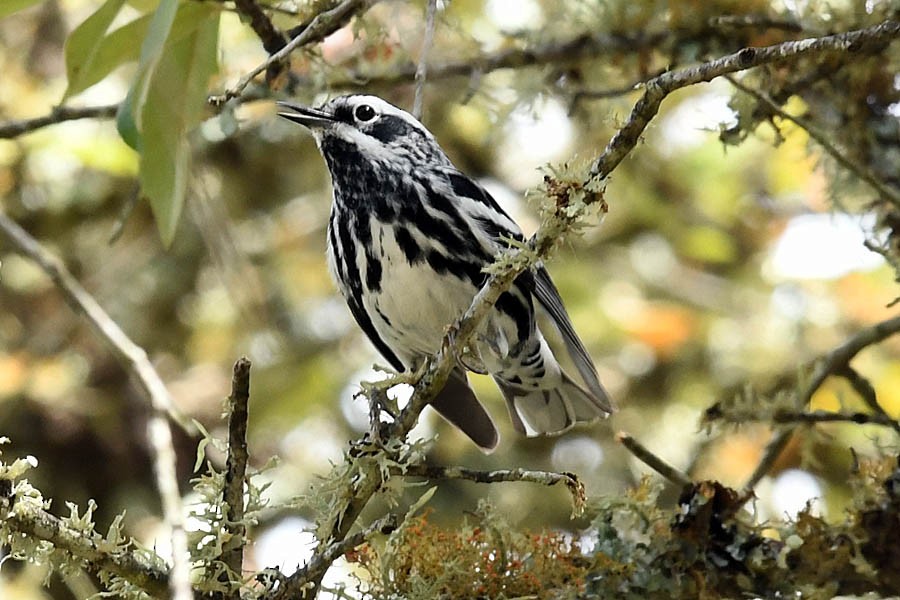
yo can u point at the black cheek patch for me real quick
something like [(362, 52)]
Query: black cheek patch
[(389, 128)]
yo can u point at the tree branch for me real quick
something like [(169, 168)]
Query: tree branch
[(304, 583), (658, 88), (548, 478), (41, 525), (323, 25), (835, 362), (12, 129), (135, 359), (236, 469), (656, 463)]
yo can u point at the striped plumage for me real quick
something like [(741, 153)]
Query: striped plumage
[(408, 237)]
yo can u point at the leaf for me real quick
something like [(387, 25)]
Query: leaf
[(84, 42), (174, 104), (8, 7), (119, 47), (129, 113)]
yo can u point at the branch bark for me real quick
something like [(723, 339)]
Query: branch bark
[(59, 114), (41, 525), (236, 469), (548, 478)]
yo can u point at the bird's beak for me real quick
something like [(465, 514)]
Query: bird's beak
[(305, 115)]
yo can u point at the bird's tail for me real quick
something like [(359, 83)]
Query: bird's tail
[(551, 410), (457, 403)]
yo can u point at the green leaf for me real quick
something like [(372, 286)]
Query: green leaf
[(130, 112), (8, 7), (83, 44), (119, 47), (174, 103)]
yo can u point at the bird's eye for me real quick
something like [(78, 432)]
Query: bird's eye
[(364, 112)]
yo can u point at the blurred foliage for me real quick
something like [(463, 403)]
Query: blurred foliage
[(682, 295)]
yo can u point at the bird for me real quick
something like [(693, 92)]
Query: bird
[(408, 239)]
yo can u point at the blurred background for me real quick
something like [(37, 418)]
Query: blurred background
[(733, 253)]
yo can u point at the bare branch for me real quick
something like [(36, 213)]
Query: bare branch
[(12, 129), (422, 68), (643, 454), (859, 169), (835, 362), (236, 468), (135, 359), (548, 478), (41, 525), (323, 25)]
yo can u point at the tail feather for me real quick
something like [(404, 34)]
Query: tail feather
[(458, 405), (542, 411)]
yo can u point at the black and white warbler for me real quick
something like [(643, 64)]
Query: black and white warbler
[(408, 237)]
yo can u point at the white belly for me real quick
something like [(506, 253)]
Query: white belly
[(415, 304)]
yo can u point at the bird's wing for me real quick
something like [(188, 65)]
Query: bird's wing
[(548, 296), (365, 323)]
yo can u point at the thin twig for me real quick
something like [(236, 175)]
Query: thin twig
[(422, 68), (832, 363), (859, 169), (548, 478), (236, 469), (323, 25), (39, 524), (782, 417), (866, 391), (643, 454), (135, 359), (12, 129)]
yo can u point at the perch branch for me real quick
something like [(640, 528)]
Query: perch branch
[(548, 478), (368, 478), (135, 359), (643, 454), (236, 468), (832, 363)]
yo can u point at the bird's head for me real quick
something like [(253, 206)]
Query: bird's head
[(362, 129)]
